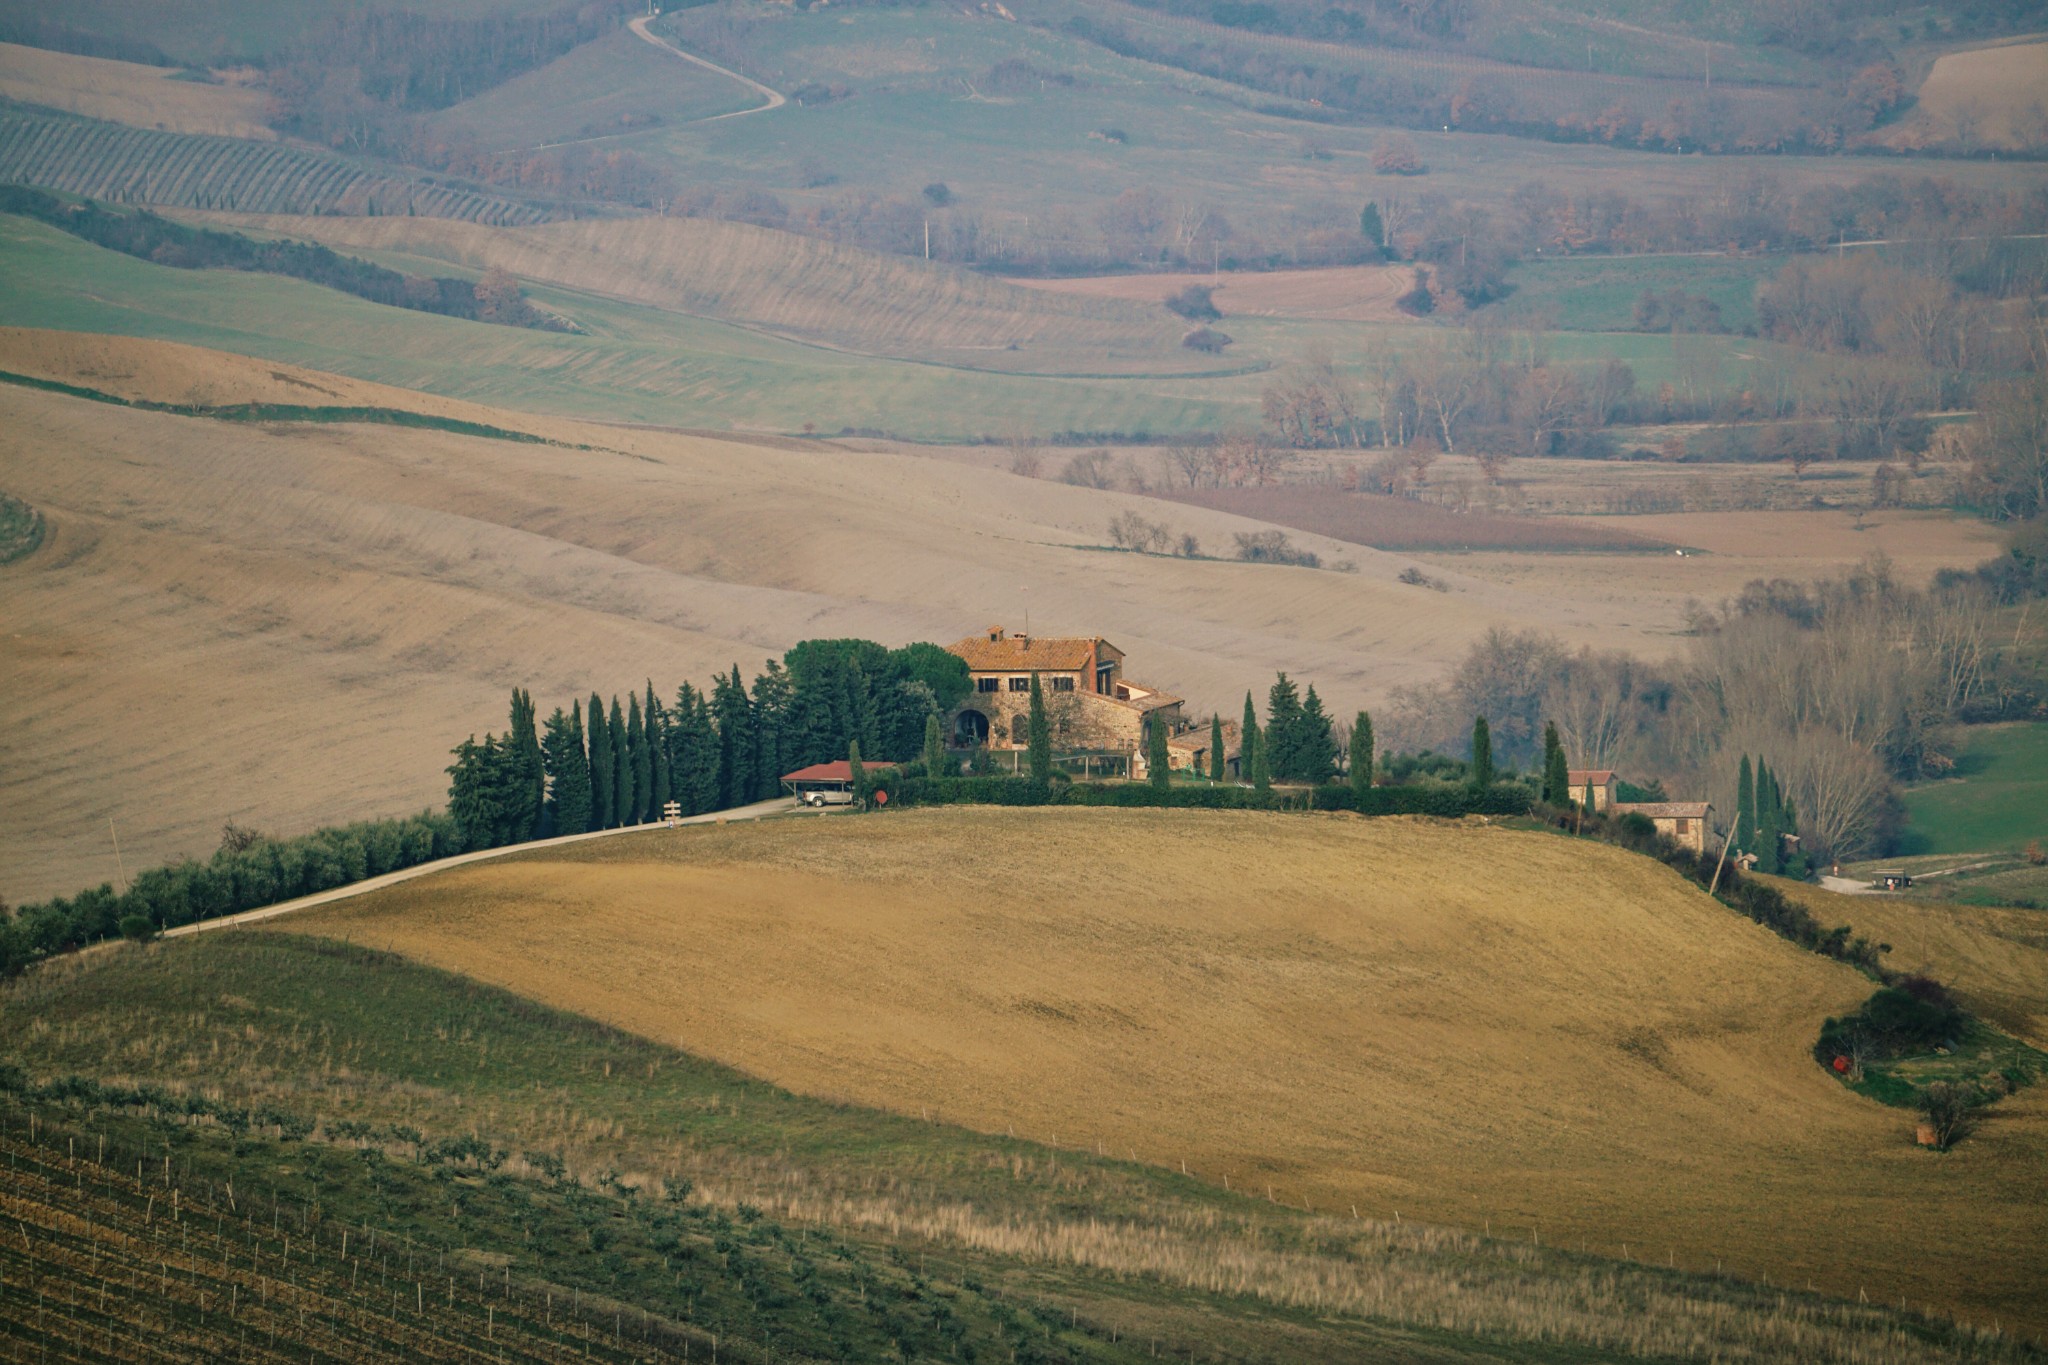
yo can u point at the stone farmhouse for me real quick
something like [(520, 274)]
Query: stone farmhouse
[(1682, 821), (1094, 710), (1600, 781)]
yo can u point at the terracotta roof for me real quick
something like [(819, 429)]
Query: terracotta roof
[(1576, 777), (1665, 810), (839, 771), (1198, 738), (1025, 654), (1153, 701)]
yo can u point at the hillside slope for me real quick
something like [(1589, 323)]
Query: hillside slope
[(794, 286), (218, 605), (1466, 1024)]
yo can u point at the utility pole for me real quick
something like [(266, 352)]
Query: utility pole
[(117, 853), (927, 239), (1710, 66)]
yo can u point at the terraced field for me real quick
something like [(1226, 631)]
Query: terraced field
[(143, 166)]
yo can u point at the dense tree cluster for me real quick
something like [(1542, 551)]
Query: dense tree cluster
[(494, 298), (594, 767)]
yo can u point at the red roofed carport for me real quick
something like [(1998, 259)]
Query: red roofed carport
[(827, 777)]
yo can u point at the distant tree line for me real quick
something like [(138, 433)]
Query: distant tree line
[(495, 298)]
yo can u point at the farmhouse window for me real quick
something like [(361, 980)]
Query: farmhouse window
[(987, 684), (1063, 683), (1684, 826), (1020, 684)]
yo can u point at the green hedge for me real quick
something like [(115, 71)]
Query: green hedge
[(1450, 802), (264, 872)]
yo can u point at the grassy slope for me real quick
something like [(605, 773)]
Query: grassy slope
[(1472, 1026), (792, 286), (812, 1228), (1997, 799), (635, 363), (1599, 294)]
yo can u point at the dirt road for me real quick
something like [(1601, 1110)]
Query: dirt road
[(776, 99)]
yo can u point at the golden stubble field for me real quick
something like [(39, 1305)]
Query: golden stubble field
[(1461, 1023)]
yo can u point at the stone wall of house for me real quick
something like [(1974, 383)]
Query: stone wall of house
[(1080, 720)]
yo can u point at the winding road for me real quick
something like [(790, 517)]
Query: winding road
[(776, 99), (369, 884)]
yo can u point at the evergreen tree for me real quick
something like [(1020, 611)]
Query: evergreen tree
[(1251, 749), (643, 761), (625, 808), (480, 791), (1157, 768), (1557, 779), (568, 772), (527, 772), (730, 708), (1039, 742), (860, 774), (1482, 755), (1361, 754), (694, 748), (934, 748), (773, 695), (1767, 848), (602, 805), (1216, 768), (1744, 837), (1285, 752), (1372, 227), (657, 745), (1316, 749)]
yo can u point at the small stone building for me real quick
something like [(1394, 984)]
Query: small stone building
[(1683, 822), (1599, 780), (1091, 705)]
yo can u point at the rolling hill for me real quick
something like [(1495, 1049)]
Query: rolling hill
[(1473, 1026)]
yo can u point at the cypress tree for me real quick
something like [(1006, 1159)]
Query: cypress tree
[(1745, 808), (625, 809), (1286, 752), (1767, 828), (568, 772), (527, 773), (1158, 771), (1216, 748), (1361, 754), (1371, 226), (1039, 742), (735, 719), (657, 745), (1316, 756), (602, 805), (694, 745), (643, 761), (1557, 778), (860, 774), (1251, 750), (934, 748), (477, 791), (1482, 755), (773, 695)]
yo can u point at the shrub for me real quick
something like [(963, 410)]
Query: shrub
[(1196, 303), (1950, 1110), (137, 928), (1208, 340)]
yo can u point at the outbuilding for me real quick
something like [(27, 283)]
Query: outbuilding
[(826, 777)]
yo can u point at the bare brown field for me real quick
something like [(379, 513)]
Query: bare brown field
[(1491, 1029), (1389, 523), (128, 92), (1353, 293), (1986, 97), (793, 286), (218, 606)]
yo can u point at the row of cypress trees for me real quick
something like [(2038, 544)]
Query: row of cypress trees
[(596, 766), (1766, 822)]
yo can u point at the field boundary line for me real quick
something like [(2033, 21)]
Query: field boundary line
[(776, 99), (758, 810)]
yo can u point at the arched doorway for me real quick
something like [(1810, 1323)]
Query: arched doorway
[(970, 729)]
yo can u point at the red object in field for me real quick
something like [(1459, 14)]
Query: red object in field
[(881, 798), (1841, 1065)]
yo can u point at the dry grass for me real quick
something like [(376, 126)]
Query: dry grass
[(1558, 1039), (1389, 523), (1357, 293), (127, 92), (216, 606), (792, 286), (1987, 97)]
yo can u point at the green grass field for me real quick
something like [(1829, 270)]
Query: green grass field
[(1997, 800), (1598, 294)]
